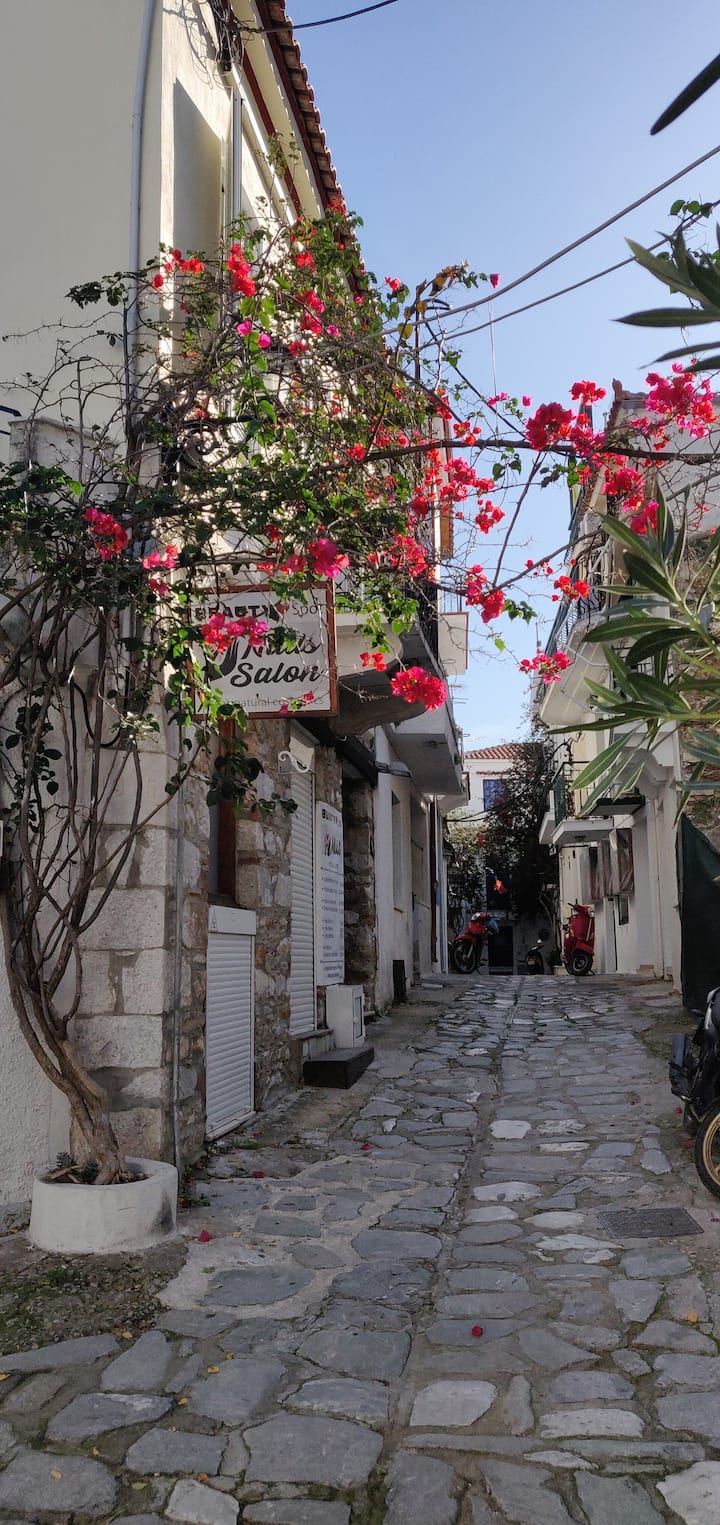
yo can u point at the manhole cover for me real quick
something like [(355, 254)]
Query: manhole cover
[(649, 1223)]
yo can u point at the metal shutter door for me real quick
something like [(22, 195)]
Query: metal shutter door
[(229, 1030), (302, 961)]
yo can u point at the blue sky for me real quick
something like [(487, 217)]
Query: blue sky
[(497, 134)]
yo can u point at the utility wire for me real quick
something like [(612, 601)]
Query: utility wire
[(576, 244), (563, 291), (304, 26)]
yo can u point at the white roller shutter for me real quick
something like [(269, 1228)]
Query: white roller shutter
[(230, 1022), (302, 962)]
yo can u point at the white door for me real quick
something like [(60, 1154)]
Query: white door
[(230, 1019), (302, 923)]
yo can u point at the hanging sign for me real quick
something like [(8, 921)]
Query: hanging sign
[(329, 896), (267, 682)]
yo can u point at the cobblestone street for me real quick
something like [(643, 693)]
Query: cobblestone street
[(404, 1307)]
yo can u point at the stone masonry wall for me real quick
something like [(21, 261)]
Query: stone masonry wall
[(263, 854), (126, 1020)]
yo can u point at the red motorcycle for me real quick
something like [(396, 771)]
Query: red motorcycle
[(466, 949), (579, 940)]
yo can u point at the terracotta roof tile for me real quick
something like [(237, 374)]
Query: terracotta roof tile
[(509, 750)]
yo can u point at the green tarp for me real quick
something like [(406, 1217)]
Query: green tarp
[(699, 876)]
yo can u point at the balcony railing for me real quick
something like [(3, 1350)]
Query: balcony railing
[(562, 792)]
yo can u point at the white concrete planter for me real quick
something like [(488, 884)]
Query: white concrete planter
[(105, 1220)]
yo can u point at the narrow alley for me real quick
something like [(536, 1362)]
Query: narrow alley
[(407, 1305)]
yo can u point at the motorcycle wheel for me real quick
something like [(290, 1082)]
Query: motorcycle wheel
[(464, 957), (707, 1150), (580, 963)]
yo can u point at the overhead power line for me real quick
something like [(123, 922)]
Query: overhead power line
[(563, 291), (304, 26), (578, 242)]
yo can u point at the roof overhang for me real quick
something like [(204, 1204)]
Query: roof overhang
[(574, 832)]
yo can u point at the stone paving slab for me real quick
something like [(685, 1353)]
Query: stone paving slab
[(415, 1316)]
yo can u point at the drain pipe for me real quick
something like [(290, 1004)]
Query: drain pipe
[(138, 122)]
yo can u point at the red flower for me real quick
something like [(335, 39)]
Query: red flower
[(219, 632), (204, 1237), (548, 424), (646, 519), (587, 392), (494, 281), (414, 685), (239, 268), (305, 260), (374, 659), (109, 536), (477, 1331), (550, 667), (394, 284), (158, 281), (326, 559)]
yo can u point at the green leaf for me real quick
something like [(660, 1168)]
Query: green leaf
[(648, 575), (600, 764), (628, 627), (669, 317), (665, 270)]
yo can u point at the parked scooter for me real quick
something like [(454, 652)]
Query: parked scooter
[(579, 940), (534, 961), (695, 1078), (466, 949)]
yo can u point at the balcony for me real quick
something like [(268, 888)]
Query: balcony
[(364, 695), (429, 745), (564, 824)]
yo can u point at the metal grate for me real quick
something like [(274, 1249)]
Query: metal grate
[(649, 1223)]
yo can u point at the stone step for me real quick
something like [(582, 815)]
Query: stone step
[(339, 1068)]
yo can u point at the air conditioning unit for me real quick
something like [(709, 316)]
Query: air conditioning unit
[(345, 1014)]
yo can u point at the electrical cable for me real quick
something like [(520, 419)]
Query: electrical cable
[(304, 26), (563, 290), (576, 244)]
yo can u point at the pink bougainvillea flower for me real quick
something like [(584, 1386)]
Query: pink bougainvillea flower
[(309, 697), (110, 537), (305, 261), (587, 392), (218, 633), (499, 397), (646, 519), (526, 401), (549, 423), (244, 328), (374, 659), (550, 666), (264, 341), (365, 1147), (326, 559), (394, 283), (239, 268), (332, 331), (415, 685), (494, 281), (158, 281)]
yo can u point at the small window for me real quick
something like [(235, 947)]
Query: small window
[(623, 910), (492, 789)]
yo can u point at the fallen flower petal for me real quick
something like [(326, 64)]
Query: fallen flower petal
[(476, 1331), (204, 1237)]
